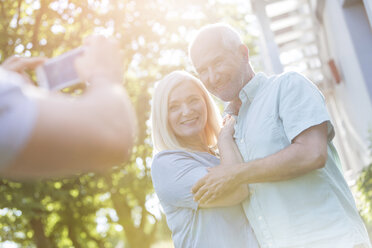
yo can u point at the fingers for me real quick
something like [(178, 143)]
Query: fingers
[(208, 195), (228, 127), (26, 78), (102, 59), (230, 122), (225, 118), (101, 41), (207, 198), (19, 64), (198, 185), (201, 193), (93, 39), (228, 119), (11, 60), (32, 63)]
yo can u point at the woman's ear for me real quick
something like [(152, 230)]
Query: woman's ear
[(244, 51)]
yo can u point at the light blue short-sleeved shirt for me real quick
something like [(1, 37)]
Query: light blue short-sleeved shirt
[(174, 172), (316, 210), (17, 116)]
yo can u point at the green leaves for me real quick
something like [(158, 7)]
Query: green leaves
[(364, 193), (154, 36)]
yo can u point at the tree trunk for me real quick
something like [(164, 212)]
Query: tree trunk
[(72, 235), (41, 240), (135, 237)]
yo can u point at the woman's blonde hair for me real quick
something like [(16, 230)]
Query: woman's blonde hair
[(163, 137)]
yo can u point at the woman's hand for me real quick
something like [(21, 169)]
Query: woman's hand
[(226, 134), (222, 179), (228, 125)]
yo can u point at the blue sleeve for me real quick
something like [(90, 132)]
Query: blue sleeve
[(17, 117), (173, 175), (301, 106)]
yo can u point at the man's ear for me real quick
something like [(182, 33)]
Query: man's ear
[(244, 51)]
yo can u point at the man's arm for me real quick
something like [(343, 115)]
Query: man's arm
[(229, 157), (307, 152), (88, 133)]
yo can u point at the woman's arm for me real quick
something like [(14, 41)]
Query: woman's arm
[(229, 151), (229, 155)]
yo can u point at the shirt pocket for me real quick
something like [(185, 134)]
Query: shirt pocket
[(265, 136)]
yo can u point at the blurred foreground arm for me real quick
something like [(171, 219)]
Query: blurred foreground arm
[(88, 133)]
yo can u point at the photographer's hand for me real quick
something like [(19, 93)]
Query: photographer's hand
[(21, 64), (101, 61)]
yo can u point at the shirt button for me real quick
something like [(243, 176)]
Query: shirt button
[(260, 217), (242, 141)]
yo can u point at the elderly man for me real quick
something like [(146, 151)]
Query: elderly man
[(299, 197), (48, 134)]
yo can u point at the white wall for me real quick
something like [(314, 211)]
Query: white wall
[(350, 102), (352, 93)]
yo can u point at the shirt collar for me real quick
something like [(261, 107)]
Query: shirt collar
[(250, 90)]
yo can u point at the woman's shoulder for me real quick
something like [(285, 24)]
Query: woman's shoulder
[(170, 156), (169, 163), (172, 153), (182, 159)]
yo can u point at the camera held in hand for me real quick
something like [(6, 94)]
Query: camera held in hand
[(59, 72)]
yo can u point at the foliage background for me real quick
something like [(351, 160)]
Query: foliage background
[(364, 193), (119, 208)]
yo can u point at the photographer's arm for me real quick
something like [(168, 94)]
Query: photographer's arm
[(88, 133), (229, 156), (80, 135)]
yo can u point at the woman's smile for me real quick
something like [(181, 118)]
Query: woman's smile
[(190, 121)]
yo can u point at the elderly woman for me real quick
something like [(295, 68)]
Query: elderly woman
[(188, 140)]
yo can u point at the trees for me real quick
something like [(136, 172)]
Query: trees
[(94, 210)]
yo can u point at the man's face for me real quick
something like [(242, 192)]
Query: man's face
[(220, 70)]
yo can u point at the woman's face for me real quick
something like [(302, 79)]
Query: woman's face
[(187, 112)]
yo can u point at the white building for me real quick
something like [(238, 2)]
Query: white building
[(330, 41)]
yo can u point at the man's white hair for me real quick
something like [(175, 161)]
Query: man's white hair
[(220, 33)]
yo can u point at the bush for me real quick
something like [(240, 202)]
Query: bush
[(364, 186)]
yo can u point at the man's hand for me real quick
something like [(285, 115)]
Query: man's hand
[(218, 181)]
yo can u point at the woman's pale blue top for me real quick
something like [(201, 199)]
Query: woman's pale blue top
[(173, 175)]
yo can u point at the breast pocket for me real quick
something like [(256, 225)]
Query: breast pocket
[(265, 136)]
